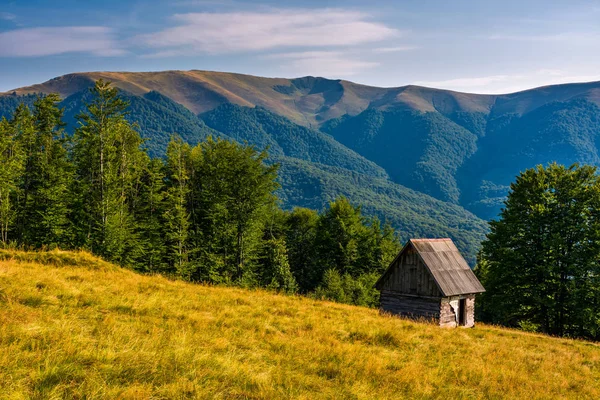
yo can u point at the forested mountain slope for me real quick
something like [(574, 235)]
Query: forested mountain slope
[(314, 168), (460, 148)]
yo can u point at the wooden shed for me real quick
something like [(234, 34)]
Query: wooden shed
[(429, 278)]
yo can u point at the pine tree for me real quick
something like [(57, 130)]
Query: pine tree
[(109, 167), (11, 168), (45, 207), (300, 235), (232, 194), (275, 272), (23, 125), (176, 214), (149, 209)]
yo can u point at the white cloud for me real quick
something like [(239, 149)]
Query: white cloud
[(501, 84), (467, 83), (33, 42), (257, 31), (332, 64), (7, 16), (394, 49), (570, 37)]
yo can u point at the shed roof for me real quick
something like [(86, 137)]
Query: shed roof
[(449, 269)]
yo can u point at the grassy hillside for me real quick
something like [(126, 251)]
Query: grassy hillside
[(72, 326)]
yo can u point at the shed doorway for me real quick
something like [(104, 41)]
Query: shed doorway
[(462, 312)]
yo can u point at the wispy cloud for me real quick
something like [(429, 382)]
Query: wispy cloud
[(394, 49), (572, 37), (467, 83), (31, 42), (7, 16), (321, 63), (500, 84), (256, 31)]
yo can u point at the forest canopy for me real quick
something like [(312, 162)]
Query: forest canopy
[(205, 213)]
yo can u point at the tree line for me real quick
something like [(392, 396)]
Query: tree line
[(207, 213), (540, 263)]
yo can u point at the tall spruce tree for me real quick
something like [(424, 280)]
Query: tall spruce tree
[(47, 177), (149, 209), (23, 125), (232, 191), (109, 167), (176, 209), (11, 167)]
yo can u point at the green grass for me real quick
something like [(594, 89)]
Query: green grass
[(81, 328)]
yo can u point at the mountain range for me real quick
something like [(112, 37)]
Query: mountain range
[(431, 162)]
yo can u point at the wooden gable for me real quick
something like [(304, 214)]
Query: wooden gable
[(408, 275), (430, 267)]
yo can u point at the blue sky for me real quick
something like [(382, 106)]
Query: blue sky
[(472, 46)]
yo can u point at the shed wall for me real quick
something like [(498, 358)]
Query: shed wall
[(448, 310), (410, 306), (410, 276)]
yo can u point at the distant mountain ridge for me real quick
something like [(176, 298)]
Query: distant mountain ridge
[(413, 155), (309, 100)]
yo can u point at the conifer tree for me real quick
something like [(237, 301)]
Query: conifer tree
[(109, 167), (232, 193), (300, 235), (44, 212), (11, 167), (23, 125), (275, 272), (149, 209), (176, 214)]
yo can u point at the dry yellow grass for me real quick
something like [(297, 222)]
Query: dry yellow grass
[(72, 326)]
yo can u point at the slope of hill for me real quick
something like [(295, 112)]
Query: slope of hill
[(458, 147), (72, 326), (305, 155), (265, 129), (411, 213)]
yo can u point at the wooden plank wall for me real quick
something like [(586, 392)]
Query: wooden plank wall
[(410, 276), (410, 306)]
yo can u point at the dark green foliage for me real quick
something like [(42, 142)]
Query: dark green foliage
[(412, 213), (232, 190), (419, 150), (45, 203), (109, 165), (11, 169), (275, 272), (539, 263), (264, 129), (352, 244), (176, 214), (343, 288), (301, 234), (315, 168), (148, 210)]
